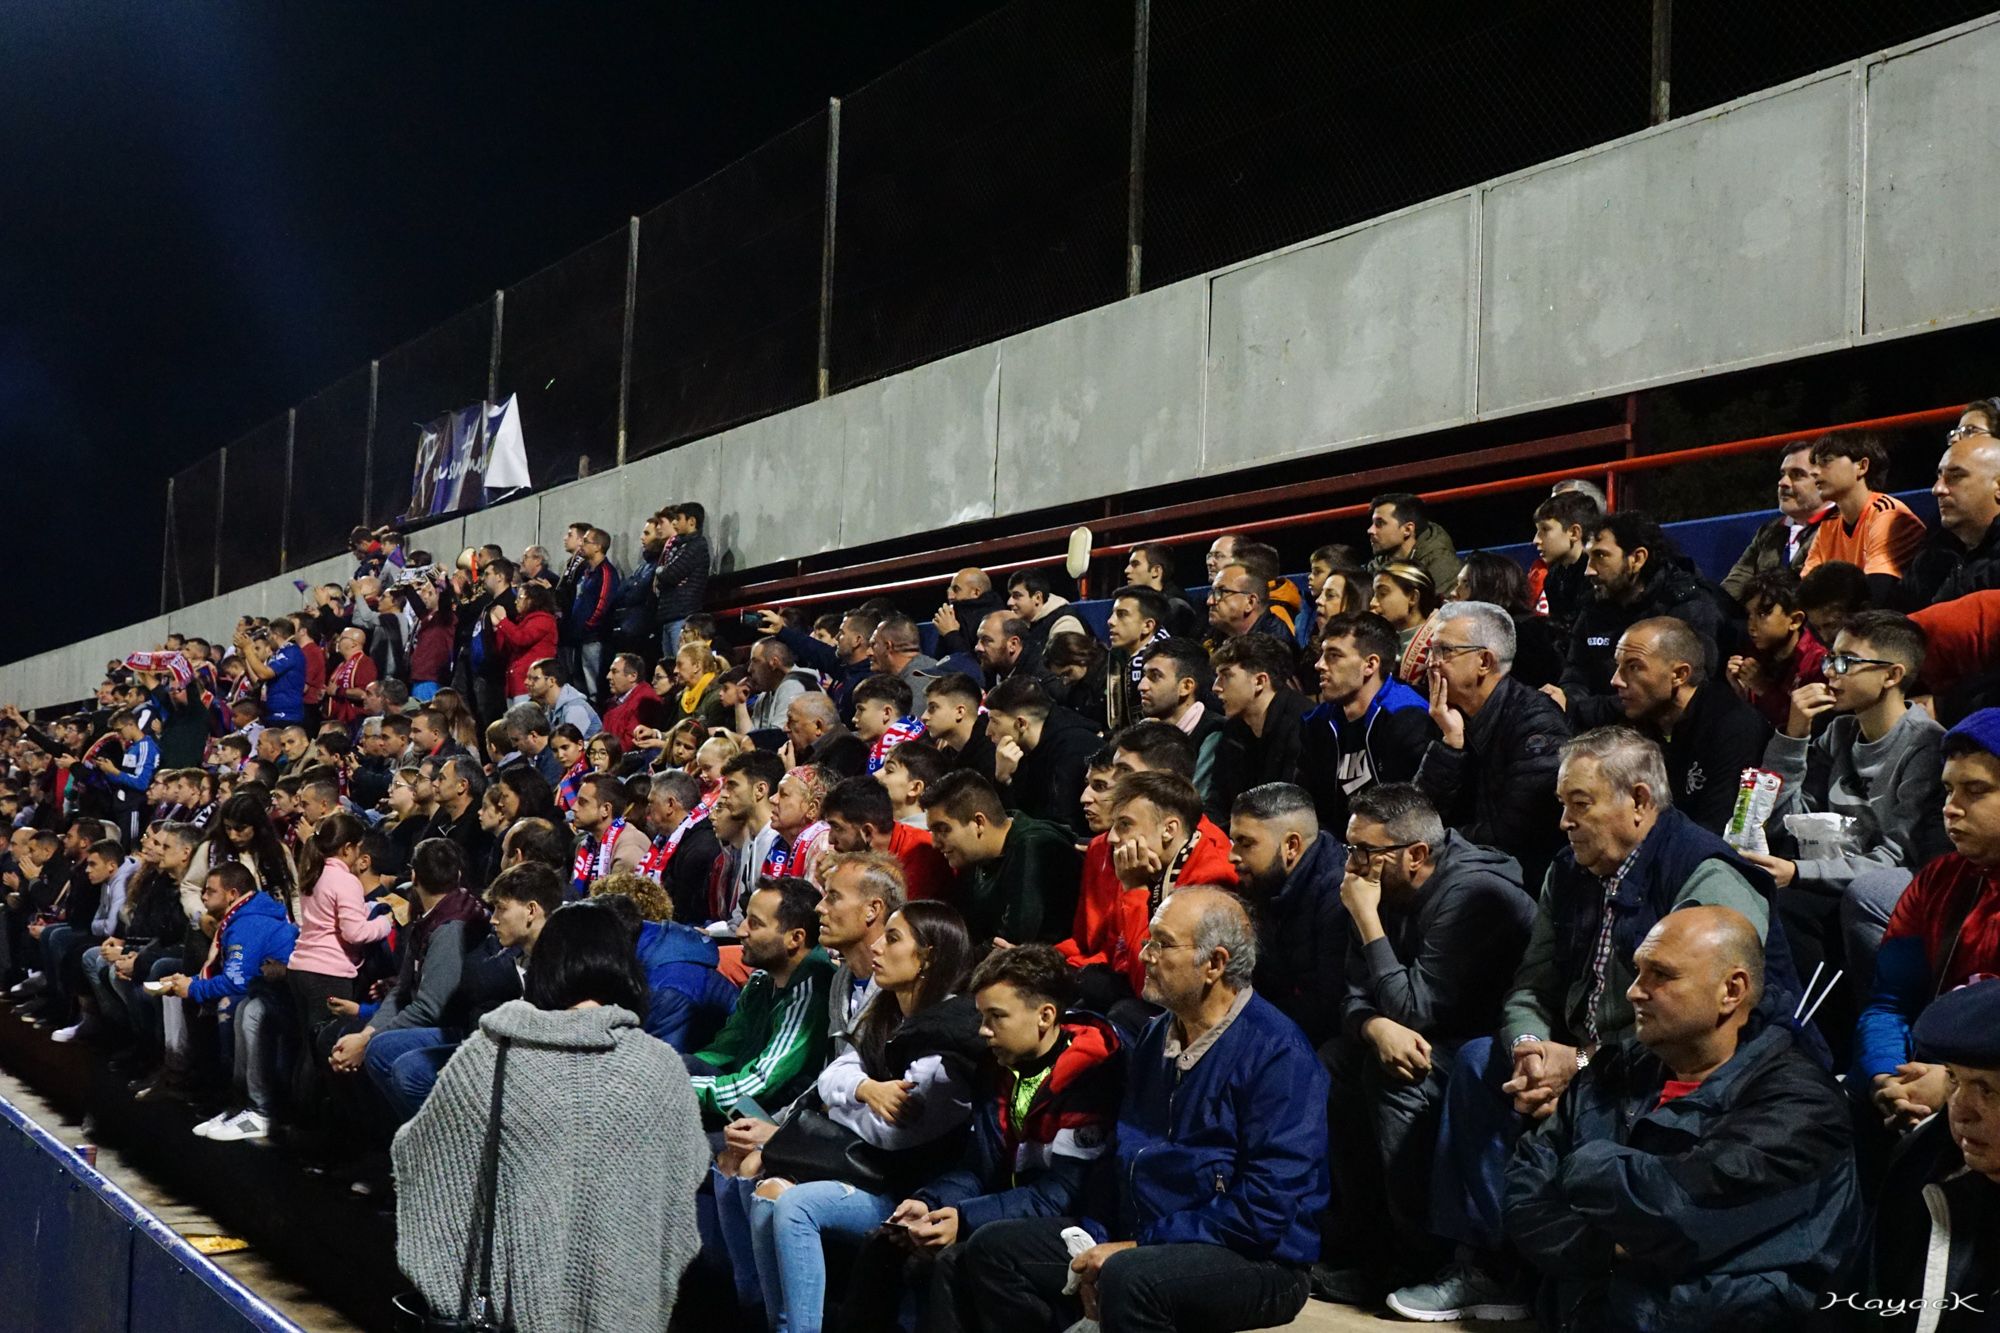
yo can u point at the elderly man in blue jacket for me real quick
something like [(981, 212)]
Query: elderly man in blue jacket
[(1210, 1222)]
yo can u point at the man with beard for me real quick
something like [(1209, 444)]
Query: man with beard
[(1289, 869), (772, 1047), (1001, 646), (968, 599), (1173, 688), (635, 602), (1634, 574)]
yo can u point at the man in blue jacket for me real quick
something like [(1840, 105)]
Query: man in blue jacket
[(1220, 1169)]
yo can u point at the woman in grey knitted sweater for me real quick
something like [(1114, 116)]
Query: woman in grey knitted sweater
[(601, 1149)]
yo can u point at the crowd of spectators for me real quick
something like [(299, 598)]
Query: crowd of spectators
[(1594, 942)]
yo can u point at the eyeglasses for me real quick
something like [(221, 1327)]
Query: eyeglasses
[(1957, 433), (1237, 592), (1152, 946), (1454, 649), (1842, 663), (1358, 853)]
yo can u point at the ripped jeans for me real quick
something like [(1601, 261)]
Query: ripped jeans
[(785, 1235)]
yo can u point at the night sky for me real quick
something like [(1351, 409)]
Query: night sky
[(210, 211)]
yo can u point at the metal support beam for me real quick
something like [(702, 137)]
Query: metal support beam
[(285, 512), (826, 246), (492, 366), (221, 504), (1662, 102), (625, 346), (1135, 173), (368, 446), (167, 548)]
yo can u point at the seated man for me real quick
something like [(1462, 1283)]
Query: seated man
[(1017, 875), (1289, 871), (1869, 528), (1438, 929), (1944, 933), (1699, 1174), (1635, 573), (1930, 1247), (1046, 1118), (1368, 727), (1137, 625), (1784, 652), (1172, 685), (1876, 762), (882, 718), (1631, 859), (1780, 545), (1221, 1162), (683, 847), (1963, 555), (1491, 770), (1040, 751), (772, 1047), (860, 818), (608, 843), (954, 723), (1660, 686), (1262, 738)]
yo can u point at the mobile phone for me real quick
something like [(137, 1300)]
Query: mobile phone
[(746, 1108), (753, 618)]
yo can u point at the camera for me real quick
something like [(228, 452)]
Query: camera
[(754, 619)]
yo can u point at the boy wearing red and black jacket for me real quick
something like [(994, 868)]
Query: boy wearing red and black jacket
[(1053, 1106)]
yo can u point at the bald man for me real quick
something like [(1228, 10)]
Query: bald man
[(1221, 1150), (1661, 686), (1699, 1174), (968, 599), (1963, 553)]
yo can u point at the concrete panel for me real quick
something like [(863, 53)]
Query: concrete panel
[(1105, 402), (780, 481), (1930, 247), (512, 526), (693, 472), (1715, 243), (922, 445), (1359, 336), (443, 540)]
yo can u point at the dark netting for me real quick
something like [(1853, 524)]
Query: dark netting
[(253, 505), (562, 335), (1724, 49), (726, 319), (421, 381), (329, 445), (1271, 121), (190, 543), (983, 187)]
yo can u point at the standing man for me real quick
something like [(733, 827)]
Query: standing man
[(347, 684), (589, 621), (682, 583)]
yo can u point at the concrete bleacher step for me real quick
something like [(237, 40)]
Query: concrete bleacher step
[(1320, 1317)]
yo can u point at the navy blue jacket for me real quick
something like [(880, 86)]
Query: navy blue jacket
[(633, 603), (589, 618), (841, 677), (690, 999), (1735, 1203), (1233, 1152), (1302, 940)]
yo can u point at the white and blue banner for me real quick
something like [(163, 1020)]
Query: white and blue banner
[(459, 467)]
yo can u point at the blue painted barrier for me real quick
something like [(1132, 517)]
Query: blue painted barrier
[(77, 1252)]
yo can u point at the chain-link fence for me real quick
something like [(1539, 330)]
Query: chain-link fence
[(1049, 158)]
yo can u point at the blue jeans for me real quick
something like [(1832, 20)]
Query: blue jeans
[(670, 638), (732, 1224), (785, 1232), (1476, 1136), (403, 1064)]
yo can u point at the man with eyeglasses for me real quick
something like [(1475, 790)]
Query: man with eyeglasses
[(1963, 555), (1491, 772), (1209, 1221), (1877, 762), (1709, 734), (1439, 926), (1780, 545), (1238, 604)]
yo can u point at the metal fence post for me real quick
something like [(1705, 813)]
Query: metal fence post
[(1662, 108), (368, 444), (625, 348), (826, 246), (492, 366), (221, 503), (1135, 175), (285, 514), (167, 548)]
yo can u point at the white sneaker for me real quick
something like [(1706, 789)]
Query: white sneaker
[(246, 1125), (70, 1033), (207, 1128)]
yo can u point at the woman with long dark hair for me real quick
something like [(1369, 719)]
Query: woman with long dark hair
[(595, 1215), (904, 1091), (1487, 576), (241, 832), (526, 794)]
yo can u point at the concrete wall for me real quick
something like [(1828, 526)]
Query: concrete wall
[(1834, 211)]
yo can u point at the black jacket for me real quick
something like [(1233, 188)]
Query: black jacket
[(1446, 960), (970, 612), (682, 582), (1048, 782), (1945, 570), (1927, 1165), (1734, 1203), (1394, 733), (1244, 759), (1500, 790), (1302, 940), (687, 873), (1718, 737), (1677, 591), (1538, 651)]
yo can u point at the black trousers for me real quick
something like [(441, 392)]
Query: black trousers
[(1384, 1136), (1010, 1279)]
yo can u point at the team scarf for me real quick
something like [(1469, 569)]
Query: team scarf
[(806, 850), (571, 785), (214, 962), (170, 664), (343, 678), (653, 865), (1139, 655), (594, 857), (777, 858), (1171, 877), (901, 730)]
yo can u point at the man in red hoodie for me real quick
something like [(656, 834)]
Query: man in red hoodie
[(860, 818), (633, 701)]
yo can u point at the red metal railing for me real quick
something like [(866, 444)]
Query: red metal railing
[(811, 588)]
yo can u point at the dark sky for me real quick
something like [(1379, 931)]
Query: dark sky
[(210, 211)]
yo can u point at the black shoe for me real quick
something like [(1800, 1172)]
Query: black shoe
[(1348, 1286)]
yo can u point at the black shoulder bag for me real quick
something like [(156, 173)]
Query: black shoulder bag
[(475, 1298)]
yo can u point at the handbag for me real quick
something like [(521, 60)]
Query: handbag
[(475, 1291), (811, 1146)]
